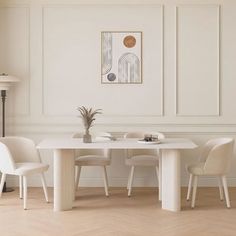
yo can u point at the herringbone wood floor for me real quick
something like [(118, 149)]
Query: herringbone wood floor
[(118, 215)]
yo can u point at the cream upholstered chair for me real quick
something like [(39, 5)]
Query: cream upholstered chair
[(142, 157), (19, 156), (214, 161), (92, 157)]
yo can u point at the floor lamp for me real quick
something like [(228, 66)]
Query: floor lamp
[(5, 83)]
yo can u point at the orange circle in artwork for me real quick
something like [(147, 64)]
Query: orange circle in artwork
[(129, 41)]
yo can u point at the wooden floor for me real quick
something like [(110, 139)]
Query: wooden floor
[(118, 215)]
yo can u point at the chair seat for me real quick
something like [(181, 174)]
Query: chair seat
[(28, 168), (142, 160), (92, 160), (196, 169)]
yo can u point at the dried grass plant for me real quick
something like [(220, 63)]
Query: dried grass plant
[(88, 116)]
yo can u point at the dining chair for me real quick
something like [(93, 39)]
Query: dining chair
[(213, 161), (19, 156), (93, 157), (142, 157)]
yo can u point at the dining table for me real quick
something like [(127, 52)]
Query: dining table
[(64, 166)]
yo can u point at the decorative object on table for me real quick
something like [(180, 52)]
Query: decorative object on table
[(142, 141), (5, 83), (121, 57), (88, 117), (149, 139), (106, 136)]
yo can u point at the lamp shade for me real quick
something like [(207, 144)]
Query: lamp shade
[(6, 81)]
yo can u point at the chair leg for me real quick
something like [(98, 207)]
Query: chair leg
[(105, 180), (226, 191), (25, 191), (160, 176), (220, 189), (21, 186), (131, 181), (189, 187), (157, 175), (194, 191), (44, 187), (3, 179), (76, 171), (77, 176)]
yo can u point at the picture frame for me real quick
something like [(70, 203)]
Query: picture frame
[(121, 57)]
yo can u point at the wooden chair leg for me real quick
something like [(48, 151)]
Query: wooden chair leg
[(21, 186), (105, 180), (77, 176), (220, 189), (25, 191), (189, 187), (131, 181), (226, 191), (194, 191), (3, 179), (44, 187)]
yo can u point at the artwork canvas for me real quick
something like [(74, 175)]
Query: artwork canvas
[(121, 57)]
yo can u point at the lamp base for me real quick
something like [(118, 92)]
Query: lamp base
[(7, 190)]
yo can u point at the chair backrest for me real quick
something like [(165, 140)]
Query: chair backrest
[(207, 148), (141, 135), (22, 149), (98, 152), (219, 157), (7, 164)]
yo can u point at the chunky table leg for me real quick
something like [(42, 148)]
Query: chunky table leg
[(64, 177), (171, 188)]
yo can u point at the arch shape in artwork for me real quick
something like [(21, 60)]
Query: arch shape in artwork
[(129, 69)]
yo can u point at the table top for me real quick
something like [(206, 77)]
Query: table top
[(131, 143)]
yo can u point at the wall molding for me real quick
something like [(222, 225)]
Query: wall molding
[(55, 128), (218, 8)]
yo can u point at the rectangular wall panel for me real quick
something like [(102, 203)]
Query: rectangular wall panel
[(72, 60), (14, 56), (197, 60)]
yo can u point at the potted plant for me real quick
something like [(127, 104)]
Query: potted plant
[(88, 117)]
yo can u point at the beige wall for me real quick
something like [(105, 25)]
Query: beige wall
[(189, 72)]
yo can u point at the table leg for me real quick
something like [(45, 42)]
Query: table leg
[(64, 177), (171, 188)]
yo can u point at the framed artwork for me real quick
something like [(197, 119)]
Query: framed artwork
[(121, 57)]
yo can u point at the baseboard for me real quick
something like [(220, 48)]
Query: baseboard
[(34, 181)]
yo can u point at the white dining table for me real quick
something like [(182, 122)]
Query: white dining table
[(64, 161)]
